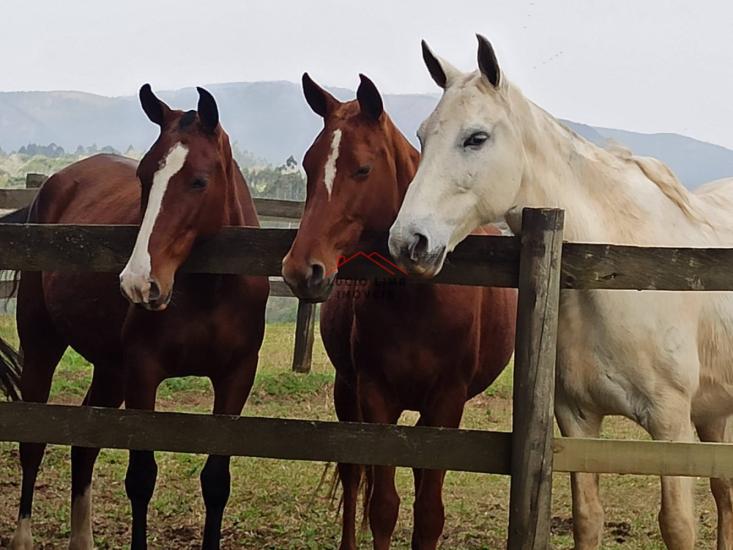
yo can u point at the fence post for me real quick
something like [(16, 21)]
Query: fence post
[(534, 379), (305, 326), (34, 181)]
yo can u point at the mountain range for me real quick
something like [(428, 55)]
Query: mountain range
[(272, 121)]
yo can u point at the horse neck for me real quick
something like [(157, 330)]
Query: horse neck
[(406, 159), (606, 197), (240, 208)]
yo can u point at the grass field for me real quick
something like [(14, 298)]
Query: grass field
[(278, 504)]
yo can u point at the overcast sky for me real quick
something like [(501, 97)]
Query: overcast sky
[(651, 66)]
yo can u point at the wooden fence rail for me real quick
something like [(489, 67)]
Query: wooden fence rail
[(476, 261), (421, 447)]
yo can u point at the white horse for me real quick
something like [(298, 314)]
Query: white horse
[(662, 359)]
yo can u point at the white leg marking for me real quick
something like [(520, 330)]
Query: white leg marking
[(81, 522), (330, 170), (22, 539), (135, 278)]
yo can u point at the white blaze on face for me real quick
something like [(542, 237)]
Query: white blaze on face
[(330, 169), (135, 278)]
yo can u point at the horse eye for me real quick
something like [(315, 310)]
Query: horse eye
[(363, 171), (199, 183), (476, 139)]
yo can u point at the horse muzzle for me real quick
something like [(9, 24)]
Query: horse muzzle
[(416, 252), (309, 283), (144, 291)]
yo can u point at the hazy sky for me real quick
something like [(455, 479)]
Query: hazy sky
[(651, 65)]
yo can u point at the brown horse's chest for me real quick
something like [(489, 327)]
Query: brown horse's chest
[(203, 331), (417, 340)]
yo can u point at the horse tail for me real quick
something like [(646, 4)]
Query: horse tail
[(366, 484), (10, 367)]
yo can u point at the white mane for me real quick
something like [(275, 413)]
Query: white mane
[(623, 182)]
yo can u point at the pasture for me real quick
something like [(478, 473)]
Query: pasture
[(279, 504)]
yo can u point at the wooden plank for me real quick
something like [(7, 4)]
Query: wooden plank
[(492, 261), (658, 458), (305, 328), (34, 181), (530, 504), (279, 209), (419, 447), (266, 208), (602, 266), (12, 199), (6, 288), (279, 289)]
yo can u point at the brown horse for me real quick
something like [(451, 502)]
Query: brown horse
[(427, 348), (185, 188)]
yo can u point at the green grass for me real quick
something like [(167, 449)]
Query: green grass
[(279, 505)]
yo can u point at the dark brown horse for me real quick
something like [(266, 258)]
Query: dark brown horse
[(186, 187), (427, 348)]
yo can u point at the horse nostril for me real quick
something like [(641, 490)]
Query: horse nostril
[(154, 294), (418, 246), (318, 273)]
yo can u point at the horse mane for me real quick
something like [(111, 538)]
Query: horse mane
[(654, 169), (661, 175)]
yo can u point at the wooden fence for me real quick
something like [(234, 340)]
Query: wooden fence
[(267, 209), (538, 263)]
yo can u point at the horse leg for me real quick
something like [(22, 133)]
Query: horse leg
[(143, 378), (445, 410), (714, 431), (385, 502), (677, 514), (42, 349), (106, 391), (230, 393), (347, 410), (587, 506)]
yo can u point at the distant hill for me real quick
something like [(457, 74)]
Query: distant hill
[(272, 120)]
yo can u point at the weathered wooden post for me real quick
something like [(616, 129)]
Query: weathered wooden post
[(34, 181), (305, 326), (534, 379)]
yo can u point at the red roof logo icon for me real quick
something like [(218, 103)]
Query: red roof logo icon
[(385, 264)]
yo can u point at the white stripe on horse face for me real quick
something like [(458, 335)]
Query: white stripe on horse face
[(135, 278), (330, 170)]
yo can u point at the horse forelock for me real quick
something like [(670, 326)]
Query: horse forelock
[(187, 119)]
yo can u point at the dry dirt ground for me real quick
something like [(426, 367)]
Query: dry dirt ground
[(279, 505)]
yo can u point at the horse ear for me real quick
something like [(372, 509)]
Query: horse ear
[(370, 102), (319, 99), (487, 63), (443, 73), (157, 111), (207, 110)]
